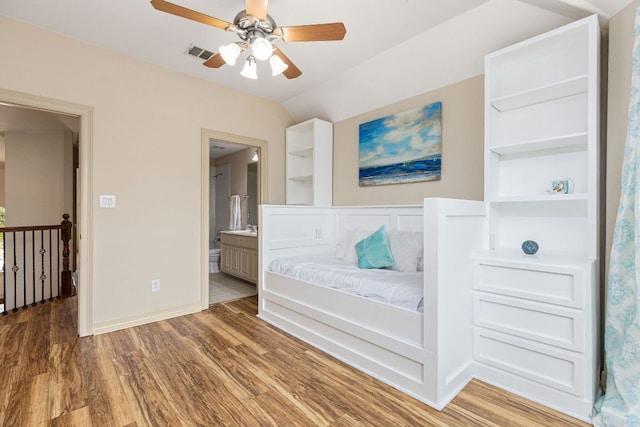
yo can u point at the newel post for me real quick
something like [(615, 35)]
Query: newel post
[(65, 236)]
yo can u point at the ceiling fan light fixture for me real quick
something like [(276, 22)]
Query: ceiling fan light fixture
[(258, 31), (277, 65), (262, 49), (250, 69), (230, 53)]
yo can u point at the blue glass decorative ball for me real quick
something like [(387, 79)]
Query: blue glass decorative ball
[(529, 247)]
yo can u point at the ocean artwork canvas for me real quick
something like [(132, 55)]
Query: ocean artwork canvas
[(402, 148)]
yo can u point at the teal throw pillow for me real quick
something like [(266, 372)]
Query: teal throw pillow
[(373, 251)]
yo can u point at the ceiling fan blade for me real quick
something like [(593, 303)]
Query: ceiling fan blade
[(183, 12), (215, 61), (312, 33), (292, 71), (257, 8)]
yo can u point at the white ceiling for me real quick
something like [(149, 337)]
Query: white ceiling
[(135, 28), (393, 49), (218, 148)]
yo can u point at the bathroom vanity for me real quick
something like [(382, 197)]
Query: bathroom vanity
[(239, 254)]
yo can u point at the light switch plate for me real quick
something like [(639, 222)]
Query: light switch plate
[(107, 201)]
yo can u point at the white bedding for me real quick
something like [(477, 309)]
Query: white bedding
[(402, 289)]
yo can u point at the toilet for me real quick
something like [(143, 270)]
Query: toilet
[(214, 260)]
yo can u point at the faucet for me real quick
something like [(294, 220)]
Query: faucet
[(250, 227)]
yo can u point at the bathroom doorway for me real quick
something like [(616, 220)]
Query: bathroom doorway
[(235, 166)]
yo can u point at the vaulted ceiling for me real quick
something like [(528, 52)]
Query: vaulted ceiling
[(393, 49)]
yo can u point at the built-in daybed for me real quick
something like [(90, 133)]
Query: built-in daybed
[(427, 354)]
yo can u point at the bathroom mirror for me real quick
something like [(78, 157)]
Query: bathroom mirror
[(252, 192)]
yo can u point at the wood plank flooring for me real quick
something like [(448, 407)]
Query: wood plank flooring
[(222, 366)]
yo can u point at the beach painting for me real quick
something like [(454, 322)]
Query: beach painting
[(402, 148)]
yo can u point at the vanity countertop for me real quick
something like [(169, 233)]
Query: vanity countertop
[(241, 233)]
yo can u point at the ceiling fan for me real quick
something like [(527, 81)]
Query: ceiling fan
[(257, 31)]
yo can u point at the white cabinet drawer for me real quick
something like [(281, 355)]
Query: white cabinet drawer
[(538, 282), (549, 324), (552, 367)]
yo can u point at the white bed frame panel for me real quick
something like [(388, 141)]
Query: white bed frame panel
[(430, 356)]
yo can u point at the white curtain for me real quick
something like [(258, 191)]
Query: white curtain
[(234, 213), (620, 406)]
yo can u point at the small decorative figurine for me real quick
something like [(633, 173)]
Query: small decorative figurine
[(561, 186), (529, 247)]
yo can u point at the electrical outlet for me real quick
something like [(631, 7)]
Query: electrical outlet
[(155, 285)]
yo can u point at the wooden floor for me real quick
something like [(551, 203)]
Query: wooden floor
[(222, 366)]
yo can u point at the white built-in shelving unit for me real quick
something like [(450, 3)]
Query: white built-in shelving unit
[(535, 316), (309, 163)]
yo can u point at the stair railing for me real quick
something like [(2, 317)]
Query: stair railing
[(33, 270)]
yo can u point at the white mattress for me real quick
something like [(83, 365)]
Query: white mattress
[(392, 287)]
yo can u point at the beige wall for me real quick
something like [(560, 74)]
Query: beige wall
[(462, 150), (147, 124), (39, 177), (620, 58)]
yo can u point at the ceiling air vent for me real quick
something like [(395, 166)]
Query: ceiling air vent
[(199, 52)]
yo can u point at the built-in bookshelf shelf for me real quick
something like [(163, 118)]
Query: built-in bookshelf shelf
[(303, 178), (309, 158), (545, 197), (305, 152), (541, 126), (556, 90), (558, 258), (578, 141)]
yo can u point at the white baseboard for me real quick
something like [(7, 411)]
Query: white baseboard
[(128, 322)]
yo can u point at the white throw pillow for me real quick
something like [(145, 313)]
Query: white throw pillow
[(406, 249), (347, 251), (343, 244)]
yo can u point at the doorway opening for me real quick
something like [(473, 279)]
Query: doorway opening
[(234, 185), (81, 190)]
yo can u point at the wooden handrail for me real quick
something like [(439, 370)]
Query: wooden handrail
[(31, 228)]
